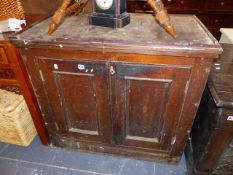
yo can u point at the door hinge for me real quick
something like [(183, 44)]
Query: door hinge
[(41, 75)]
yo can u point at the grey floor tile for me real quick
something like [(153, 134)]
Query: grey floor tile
[(36, 152), (55, 170), (3, 146), (8, 167), (17, 167), (135, 167), (87, 161), (168, 169)]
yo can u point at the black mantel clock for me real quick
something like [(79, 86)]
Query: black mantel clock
[(110, 13)]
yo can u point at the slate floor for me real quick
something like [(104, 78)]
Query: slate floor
[(40, 160)]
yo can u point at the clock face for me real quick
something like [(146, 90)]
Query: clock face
[(104, 4)]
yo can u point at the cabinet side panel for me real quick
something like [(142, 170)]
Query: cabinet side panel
[(191, 102), (24, 66)]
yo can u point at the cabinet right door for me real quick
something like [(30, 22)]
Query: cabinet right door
[(147, 103)]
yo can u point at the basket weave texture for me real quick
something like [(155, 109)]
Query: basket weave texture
[(11, 9), (16, 125)]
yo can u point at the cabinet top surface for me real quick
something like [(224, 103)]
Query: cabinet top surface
[(220, 80), (143, 35)]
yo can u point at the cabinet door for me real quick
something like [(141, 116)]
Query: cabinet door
[(78, 95), (147, 104)]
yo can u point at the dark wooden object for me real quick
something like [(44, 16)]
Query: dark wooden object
[(162, 16), (131, 92), (211, 148), (215, 14), (115, 17)]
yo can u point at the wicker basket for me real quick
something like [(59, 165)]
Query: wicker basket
[(16, 125), (11, 9)]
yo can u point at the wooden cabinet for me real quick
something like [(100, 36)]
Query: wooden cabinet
[(218, 5), (182, 4), (215, 14), (217, 21), (131, 92)]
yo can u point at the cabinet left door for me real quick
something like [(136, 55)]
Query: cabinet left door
[(77, 92)]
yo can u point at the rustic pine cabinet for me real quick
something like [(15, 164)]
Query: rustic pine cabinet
[(131, 92)]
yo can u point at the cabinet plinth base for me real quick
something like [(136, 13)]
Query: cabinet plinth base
[(121, 151)]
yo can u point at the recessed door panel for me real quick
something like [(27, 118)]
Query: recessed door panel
[(144, 111), (147, 102), (79, 102)]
